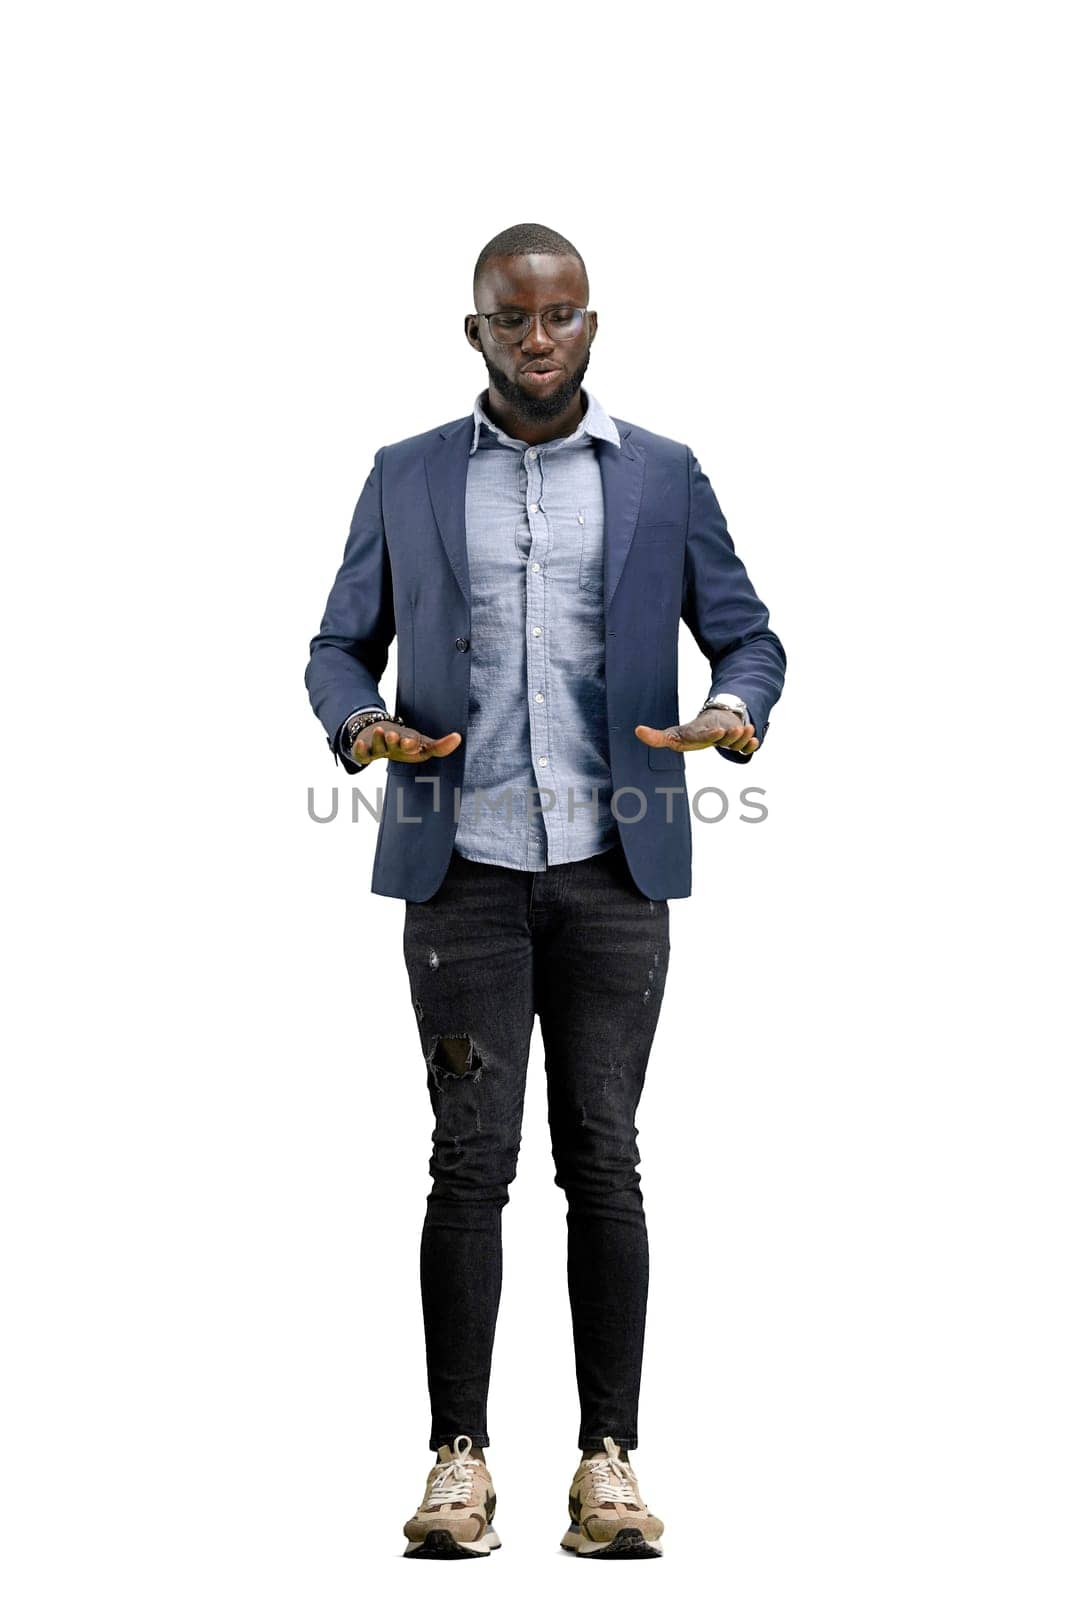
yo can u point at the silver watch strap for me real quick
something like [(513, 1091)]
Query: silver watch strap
[(727, 702)]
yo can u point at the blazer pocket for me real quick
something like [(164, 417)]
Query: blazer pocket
[(409, 674), (661, 758), (659, 533)]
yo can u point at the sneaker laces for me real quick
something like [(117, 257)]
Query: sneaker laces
[(454, 1479), (613, 1478)]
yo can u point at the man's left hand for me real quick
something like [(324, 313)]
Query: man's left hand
[(716, 726)]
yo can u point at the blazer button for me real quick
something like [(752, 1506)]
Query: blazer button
[(463, 644)]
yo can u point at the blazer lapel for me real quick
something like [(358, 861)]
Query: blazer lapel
[(446, 476), (622, 473)]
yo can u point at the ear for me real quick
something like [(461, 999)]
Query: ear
[(470, 329)]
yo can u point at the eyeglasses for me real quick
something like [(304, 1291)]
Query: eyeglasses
[(559, 322)]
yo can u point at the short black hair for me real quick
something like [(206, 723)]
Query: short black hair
[(527, 239)]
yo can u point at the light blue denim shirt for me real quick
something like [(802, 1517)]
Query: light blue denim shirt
[(537, 738)]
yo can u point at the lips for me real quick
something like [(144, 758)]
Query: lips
[(540, 375)]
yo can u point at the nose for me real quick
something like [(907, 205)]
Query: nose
[(537, 337)]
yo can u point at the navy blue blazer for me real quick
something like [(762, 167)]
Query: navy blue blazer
[(668, 557)]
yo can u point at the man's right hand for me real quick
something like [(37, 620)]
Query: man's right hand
[(397, 742)]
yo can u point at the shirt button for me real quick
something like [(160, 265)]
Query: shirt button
[(539, 697), (542, 761), (531, 455), (537, 633), (462, 644), (537, 566), (533, 509)]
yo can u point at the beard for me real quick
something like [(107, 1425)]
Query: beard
[(535, 407)]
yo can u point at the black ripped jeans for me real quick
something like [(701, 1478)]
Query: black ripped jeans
[(584, 949)]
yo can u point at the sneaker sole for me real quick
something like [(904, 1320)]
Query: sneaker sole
[(440, 1545), (629, 1544)]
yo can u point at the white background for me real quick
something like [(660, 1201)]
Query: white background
[(824, 247)]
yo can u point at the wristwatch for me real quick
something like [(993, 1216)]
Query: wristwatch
[(727, 702), (355, 726)]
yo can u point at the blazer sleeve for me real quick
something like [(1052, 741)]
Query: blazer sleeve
[(724, 613), (350, 651)]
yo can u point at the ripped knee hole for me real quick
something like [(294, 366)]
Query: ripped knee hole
[(453, 1055)]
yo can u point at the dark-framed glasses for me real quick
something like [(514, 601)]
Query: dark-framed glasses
[(558, 322)]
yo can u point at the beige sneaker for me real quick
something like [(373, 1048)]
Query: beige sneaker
[(608, 1516), (455, 1518)]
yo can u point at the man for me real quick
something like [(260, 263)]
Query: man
[(533, 560)]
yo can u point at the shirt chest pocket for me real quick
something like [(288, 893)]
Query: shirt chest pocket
[(590, 552), (574, 561)]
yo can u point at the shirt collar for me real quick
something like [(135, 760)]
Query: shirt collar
[(596, 423)]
